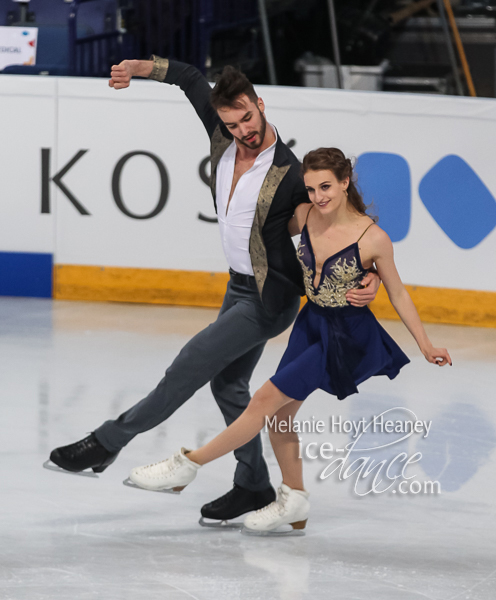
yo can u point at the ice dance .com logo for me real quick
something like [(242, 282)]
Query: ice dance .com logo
[(388, 464)]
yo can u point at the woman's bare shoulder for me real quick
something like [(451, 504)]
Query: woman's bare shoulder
[(376, 237)]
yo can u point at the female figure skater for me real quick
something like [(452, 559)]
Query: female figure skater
[(333, 346)]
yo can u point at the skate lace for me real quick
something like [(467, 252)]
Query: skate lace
[(164, 466), (275, 508)]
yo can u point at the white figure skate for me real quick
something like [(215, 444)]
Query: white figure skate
[(285, 516), (171, 475)]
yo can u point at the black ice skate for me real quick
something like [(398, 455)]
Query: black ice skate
[(77, 458), (237, 502)]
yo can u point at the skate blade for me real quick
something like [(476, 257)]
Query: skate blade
[(131, 484), (274, 533), (48, 464), (220, 524)]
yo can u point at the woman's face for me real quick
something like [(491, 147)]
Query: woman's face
[(325, 191)]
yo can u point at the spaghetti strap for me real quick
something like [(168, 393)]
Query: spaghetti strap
[(308, 213), (364, 231)]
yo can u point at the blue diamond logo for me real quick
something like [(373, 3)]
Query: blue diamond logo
[(458, 201), (385, 182)]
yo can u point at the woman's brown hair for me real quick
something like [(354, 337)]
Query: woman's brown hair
[(332, 159)]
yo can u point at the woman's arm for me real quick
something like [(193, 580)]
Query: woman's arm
[(400, 299), (293, 226), (297, 221)]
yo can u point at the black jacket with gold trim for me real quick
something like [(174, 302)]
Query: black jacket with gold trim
[(273, 257)]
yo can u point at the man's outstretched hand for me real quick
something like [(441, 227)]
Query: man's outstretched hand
[(120, 75), (362, 297)]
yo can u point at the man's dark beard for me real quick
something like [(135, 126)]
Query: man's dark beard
[(261, 133)]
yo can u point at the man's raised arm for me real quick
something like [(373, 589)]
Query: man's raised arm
[(173, 72)]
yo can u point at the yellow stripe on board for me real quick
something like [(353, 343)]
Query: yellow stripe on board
[(198, 288), (443, 305), (152, 286)]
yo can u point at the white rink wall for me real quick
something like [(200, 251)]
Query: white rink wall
[(444, 234)]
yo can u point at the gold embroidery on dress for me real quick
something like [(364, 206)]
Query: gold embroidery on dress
[(332, 291)]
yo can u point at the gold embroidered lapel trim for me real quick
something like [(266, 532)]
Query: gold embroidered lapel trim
[(218, 146), (258, 252)]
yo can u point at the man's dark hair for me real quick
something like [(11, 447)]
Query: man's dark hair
[(231, 84)]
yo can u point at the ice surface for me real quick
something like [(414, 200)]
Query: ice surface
[(67, 366)]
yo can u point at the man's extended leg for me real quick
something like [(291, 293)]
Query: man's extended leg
[(242, 325)]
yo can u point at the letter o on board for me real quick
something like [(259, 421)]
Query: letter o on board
[(164, 185)]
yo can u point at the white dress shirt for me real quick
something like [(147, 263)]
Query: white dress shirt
[(235, 222)]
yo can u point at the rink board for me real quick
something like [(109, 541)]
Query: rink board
[(112, 185), (197, 288)]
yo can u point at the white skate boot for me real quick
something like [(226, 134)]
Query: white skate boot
[(171, 475), (286, 516)]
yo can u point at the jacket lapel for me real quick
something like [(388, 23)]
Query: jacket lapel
[(218, 146), (275, 175)]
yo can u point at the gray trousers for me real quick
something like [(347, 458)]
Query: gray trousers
[(224, 354)]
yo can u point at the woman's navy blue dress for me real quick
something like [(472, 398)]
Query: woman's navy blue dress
[(334, 346)]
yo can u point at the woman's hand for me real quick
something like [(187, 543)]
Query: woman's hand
[(437, 356)]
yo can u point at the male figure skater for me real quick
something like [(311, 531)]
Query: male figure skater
[(256, 186)]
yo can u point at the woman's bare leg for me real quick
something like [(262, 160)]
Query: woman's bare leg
[(286, 447), (265, 403)]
